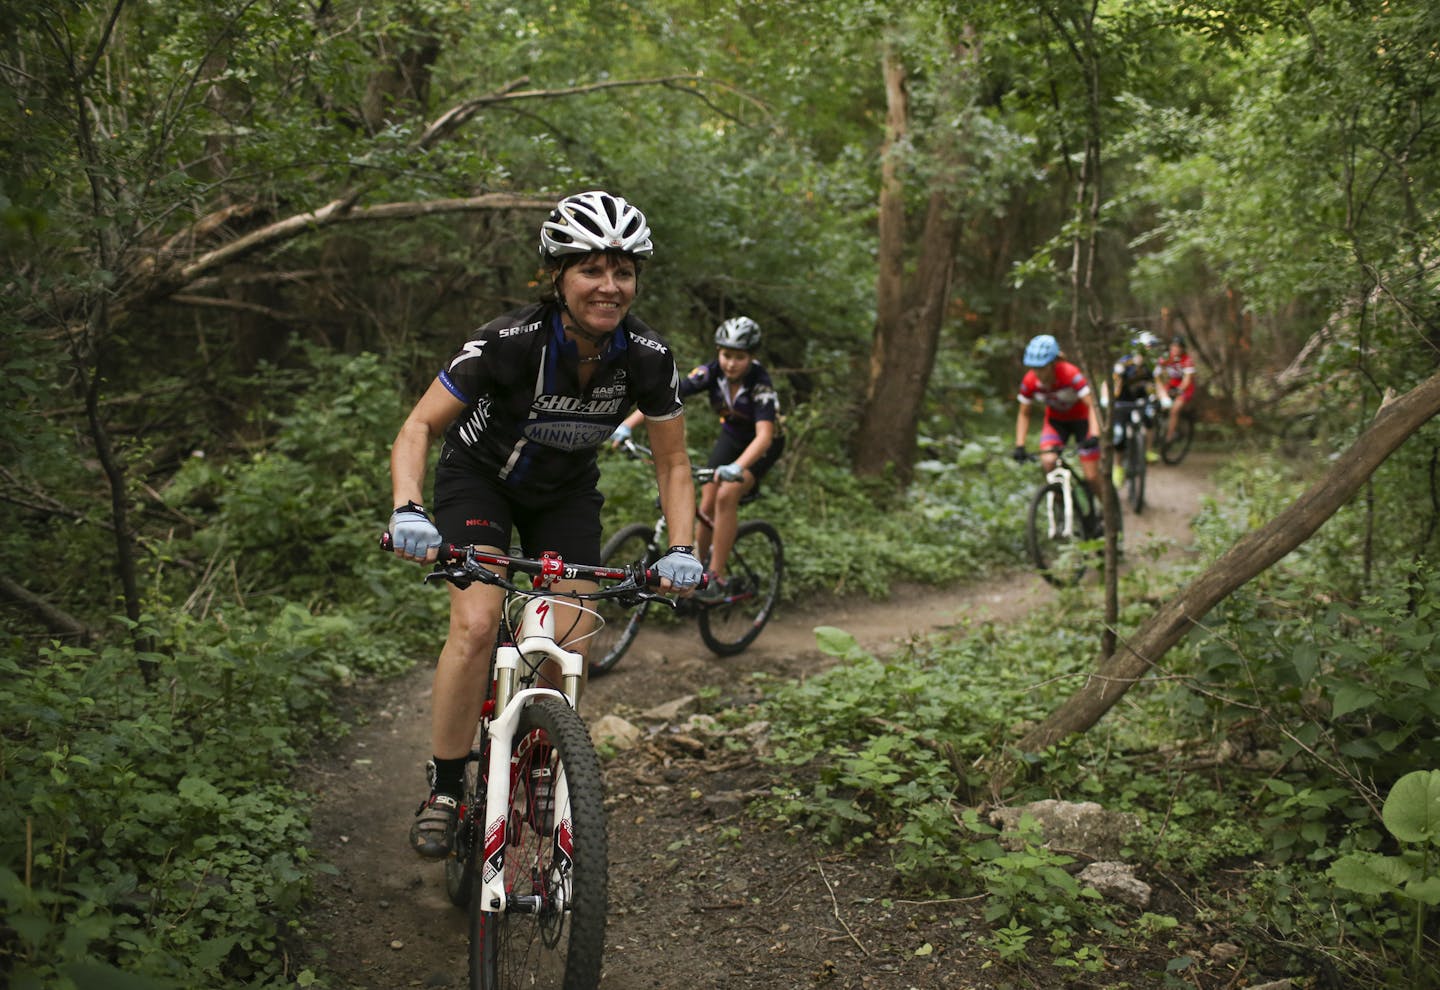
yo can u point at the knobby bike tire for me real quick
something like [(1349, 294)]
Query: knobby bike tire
[(755, 569), (1135, 470), (533, 943), (1174, 451), (1057, 557), (621, 624)]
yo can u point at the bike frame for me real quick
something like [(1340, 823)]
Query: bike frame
[(535, 642), (1061, 475)]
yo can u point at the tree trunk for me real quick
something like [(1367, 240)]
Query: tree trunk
[(909, 313), (1396, 420)]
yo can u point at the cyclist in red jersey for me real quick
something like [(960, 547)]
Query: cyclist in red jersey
[(522, 408), (1175, 382), (1070, 415)]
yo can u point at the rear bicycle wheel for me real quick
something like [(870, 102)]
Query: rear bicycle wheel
[(1135, 470), (552, 930), (1173, 450), (756, 565), (1053, 540), (620, 625)]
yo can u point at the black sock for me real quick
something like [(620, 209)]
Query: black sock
[(449, 776)]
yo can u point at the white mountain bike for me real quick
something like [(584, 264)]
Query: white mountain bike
[(531, 853)]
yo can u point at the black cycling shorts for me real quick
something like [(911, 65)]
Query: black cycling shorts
[(728, 447), (473, 509)]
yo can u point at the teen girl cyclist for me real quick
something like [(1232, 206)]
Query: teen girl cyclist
[(740, 391)]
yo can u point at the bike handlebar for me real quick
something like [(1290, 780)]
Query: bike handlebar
[(462, 566), (640, 452)]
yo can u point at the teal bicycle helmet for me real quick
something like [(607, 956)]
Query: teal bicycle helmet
[(1041, 351)]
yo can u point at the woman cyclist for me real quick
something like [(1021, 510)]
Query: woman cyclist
[(1060, 387), (1175, 382), (522, 408), (1133, 377), (749, 444)]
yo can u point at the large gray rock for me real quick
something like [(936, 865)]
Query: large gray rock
[(1085, 828)]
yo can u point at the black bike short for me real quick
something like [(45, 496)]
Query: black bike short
[(727, 448), (472, 509)]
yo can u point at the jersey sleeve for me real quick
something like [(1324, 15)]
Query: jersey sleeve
[(466, 374), (696, 382), (767, 400)]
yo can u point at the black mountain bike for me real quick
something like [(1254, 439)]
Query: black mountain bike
[(1134, 420), (1174, 449), (727, 625)]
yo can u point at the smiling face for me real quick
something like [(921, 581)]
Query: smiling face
[(734, 363), (598, 289)]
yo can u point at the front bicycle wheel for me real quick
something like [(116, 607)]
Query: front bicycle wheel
[(620, 625), (757, 562), (1174, 449), (1135, 470), (551, 932), (1054, 536)]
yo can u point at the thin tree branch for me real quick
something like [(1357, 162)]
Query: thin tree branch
[(56, 620)]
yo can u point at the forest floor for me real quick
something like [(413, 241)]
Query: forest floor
[(702, 896)]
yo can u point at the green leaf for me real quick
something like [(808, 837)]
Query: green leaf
[(1352, 697), (1412, 810), (837, 643), (1306, 660), (1353, 872), (1425, 891)]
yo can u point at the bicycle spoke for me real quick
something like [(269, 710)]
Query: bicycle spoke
[(755, 568), (552, 930)]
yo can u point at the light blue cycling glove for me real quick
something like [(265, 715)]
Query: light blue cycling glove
[(680, 567), (730, 472), (621, 434), (411, 531)]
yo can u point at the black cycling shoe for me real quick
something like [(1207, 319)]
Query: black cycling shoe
[(433, 833)]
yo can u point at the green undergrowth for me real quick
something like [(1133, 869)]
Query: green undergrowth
[(1256, 757), (152, 832)]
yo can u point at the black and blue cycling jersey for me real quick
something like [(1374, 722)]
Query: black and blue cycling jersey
[(754, 401), (528, 420)]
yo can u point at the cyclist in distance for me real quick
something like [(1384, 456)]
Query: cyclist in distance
[(1133, 377), (740, 391), (1070, 415), (522, 408), (1175, 382)]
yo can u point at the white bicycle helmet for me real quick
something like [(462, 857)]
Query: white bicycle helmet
[(1146, 340), (1041, 351), (594, 221), (738, 333)]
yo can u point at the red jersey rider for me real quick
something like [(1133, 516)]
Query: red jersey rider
[(1175, 382), (1070, 415)]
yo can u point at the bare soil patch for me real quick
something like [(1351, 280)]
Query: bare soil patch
[(701, 897)]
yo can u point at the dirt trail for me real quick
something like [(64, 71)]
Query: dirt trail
[(700, 897)]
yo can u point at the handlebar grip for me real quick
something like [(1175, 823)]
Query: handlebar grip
[(445, 553), (652, 579)]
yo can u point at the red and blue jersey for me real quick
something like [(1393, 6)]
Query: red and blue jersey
[(1065, 399)]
